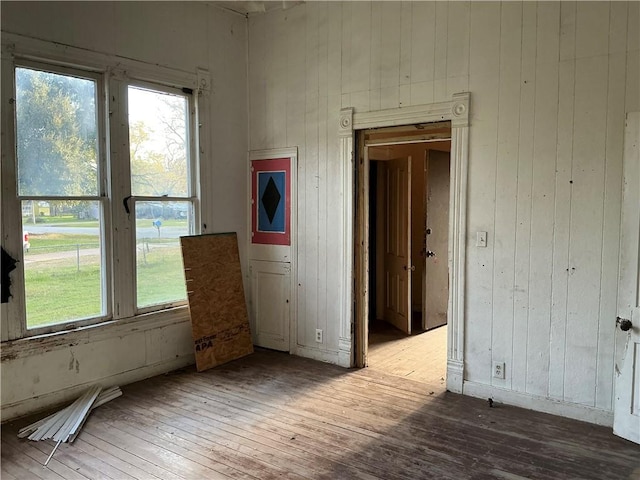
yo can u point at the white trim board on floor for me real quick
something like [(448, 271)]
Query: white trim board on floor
[(583, 413)]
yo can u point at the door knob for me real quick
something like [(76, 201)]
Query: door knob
[(413, 268), (624, 324), (430, 253)]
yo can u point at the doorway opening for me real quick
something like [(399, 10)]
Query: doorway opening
[(402, 207)]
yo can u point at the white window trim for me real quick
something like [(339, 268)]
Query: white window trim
[(14, 333)]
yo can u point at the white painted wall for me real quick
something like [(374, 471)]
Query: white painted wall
[(550, 84), (179, 35)]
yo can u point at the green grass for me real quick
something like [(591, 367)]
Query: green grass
[(57, 292), (58, 242), (148, 222), (161, 278), (60, 220), (71, 221)]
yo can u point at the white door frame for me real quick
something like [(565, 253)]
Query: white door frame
[(457, 112)]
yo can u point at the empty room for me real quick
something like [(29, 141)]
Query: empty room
[(422, 219)]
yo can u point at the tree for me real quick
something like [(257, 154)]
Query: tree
[(56, 134), (158, 151)]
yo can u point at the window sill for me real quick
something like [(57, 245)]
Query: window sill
[(25, 347)]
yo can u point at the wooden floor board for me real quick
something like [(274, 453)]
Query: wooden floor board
[(271, 415), (273, 431), (229, 436), (39, 451)]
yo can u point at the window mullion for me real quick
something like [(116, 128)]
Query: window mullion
[(13, 312), (122, 222)]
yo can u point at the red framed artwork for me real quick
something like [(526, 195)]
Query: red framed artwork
[(271, 201)]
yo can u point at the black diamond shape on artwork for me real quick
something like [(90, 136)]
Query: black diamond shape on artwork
[(271, 199)]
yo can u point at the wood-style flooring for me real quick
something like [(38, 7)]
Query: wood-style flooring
[(274, 416), (421, 357)]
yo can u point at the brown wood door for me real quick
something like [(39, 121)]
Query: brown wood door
[(397, 262), (436, 267)]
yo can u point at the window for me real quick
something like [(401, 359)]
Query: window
[(81, 163), (160, 173), (59, 178)]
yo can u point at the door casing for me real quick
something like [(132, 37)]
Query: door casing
[(353, 329)]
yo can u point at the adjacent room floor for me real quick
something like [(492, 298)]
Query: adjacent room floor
[(272, 415)]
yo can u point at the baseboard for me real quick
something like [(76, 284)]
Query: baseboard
[(541, 404), (49, 400), (321, 355), (455, 375)]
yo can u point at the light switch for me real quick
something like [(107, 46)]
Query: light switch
[(481, 239)]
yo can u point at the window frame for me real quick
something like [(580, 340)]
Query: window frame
[(192, 179), (118, 259), (101, 197)]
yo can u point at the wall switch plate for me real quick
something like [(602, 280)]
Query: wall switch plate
[(498, 370), (318, 335), (481, 239)]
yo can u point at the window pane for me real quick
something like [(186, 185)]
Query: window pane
[(160, 275), (159, 143), (56, 134), (62, 261)]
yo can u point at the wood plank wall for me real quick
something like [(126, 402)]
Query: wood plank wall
[(550, 85)]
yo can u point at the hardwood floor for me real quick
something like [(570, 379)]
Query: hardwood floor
[(271, 416), (421, 357)]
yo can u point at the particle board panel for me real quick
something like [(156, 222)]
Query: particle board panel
[(216, 299)]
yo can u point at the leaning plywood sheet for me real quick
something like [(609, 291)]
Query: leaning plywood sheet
[(216, 299)]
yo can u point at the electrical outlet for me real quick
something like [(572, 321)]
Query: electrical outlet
[(498, 370), (318, 335)]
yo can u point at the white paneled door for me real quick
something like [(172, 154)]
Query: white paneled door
[(626, 421), (271, 288), (397, 262)]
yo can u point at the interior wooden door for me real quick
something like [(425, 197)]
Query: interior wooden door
[(397, 262), (626, 420), (270, 302), (436, 258)]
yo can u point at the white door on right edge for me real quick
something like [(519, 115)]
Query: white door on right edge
[(626, 416)]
